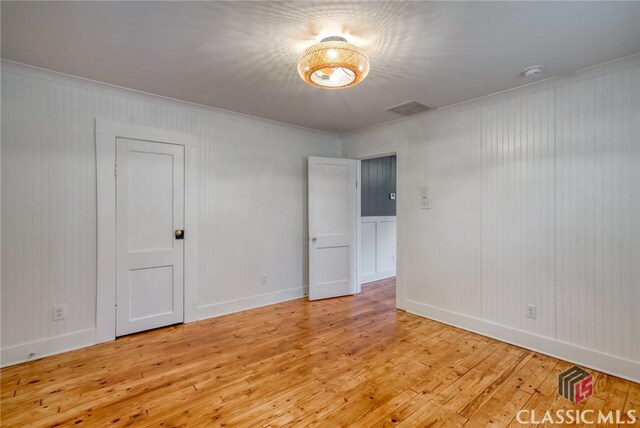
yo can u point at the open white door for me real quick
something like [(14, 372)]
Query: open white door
[(150, 246), (332, 227)]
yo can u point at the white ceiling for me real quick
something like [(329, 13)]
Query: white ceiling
[(241, 56)]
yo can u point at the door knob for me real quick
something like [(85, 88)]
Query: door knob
[(314, 239), (179, 234)]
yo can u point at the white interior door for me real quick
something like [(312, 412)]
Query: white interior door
[(150, 208), (332, 227)]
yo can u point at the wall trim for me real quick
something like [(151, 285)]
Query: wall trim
[(107, 132), (42, 348), (358, 225), (238, 305), (378, 219), (17, 354), (377, 276), (609, 364)]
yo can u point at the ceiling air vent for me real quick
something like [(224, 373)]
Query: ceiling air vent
[(409, 108)]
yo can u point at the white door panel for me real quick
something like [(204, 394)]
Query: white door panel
[(143, 283), (332, 227), (150, 207), (150, 201)]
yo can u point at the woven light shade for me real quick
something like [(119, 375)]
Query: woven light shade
[(333, 64)]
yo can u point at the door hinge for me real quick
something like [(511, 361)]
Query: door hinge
[(115, 169), (116, 301), (356, 184)]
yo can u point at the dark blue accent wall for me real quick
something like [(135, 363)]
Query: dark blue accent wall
[(378, 180)]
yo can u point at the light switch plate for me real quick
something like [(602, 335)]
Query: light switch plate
[(425, 201), (392, 196)]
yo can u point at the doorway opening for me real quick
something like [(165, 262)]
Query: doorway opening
[(377, 223), (352, 224)]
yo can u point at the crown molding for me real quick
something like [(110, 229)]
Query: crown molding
[(81, 82), (540, 85)]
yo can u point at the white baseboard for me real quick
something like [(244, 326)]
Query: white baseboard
[(41, 348), (610, 364), (377, 276), (68, 342), (238, 305)]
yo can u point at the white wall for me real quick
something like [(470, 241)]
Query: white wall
[(253, 193), (377, 248), (535, 200)]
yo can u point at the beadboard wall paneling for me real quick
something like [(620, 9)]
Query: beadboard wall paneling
[(545, 182), (518, 212), (598, 213), (253, 193), (378, 181), (444, 266), (48, 227)]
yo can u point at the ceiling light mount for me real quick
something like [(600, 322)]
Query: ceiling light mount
[(333, 63), (333, 39)]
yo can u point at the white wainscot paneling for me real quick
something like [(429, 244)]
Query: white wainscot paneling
[(378, 248)]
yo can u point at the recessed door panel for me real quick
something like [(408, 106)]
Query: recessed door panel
[(334, 264), (153, 281), (333, 213), (150, 200)]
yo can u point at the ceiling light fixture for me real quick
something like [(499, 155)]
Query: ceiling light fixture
[(333, 63)]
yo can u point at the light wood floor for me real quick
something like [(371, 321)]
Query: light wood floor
[(353, 361)]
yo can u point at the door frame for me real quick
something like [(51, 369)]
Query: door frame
[(399, 289), (106, 134)]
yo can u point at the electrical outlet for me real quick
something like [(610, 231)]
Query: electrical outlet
[(264, 279), (58, 312), (531, 311)]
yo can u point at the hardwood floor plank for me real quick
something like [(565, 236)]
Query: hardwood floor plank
[(432, 414), (403, 412), (371, 418), (351, 361)]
